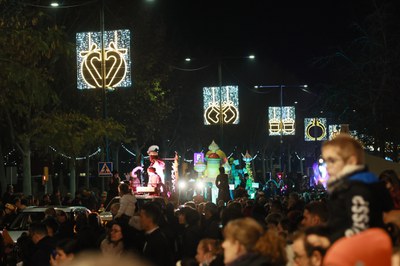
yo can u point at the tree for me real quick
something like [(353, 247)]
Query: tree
[(364, 90), (29, 47), (74, 134)]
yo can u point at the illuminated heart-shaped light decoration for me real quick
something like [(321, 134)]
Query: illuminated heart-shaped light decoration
[(115, 66)]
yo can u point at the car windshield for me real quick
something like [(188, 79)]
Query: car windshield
[(24, 219)]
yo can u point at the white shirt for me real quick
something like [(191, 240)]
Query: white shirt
[(127, 205)]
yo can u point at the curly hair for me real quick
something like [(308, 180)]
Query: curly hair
[(273, 247)]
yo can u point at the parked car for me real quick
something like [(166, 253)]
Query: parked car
[(106, 215), (34, 213)]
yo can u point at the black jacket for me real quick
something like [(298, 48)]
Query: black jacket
[(156, 249), (356, 203), (41, 253), (250, 259)]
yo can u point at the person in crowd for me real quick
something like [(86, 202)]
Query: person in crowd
[(127, 204), (45, 200), (315, 213), (65, 226), (102, 202), (95, 227), (211, 222), (64, 252), (272, 246), (392, 183), (210, 253), (303, 251), (309, 245), (113, 186), (67, 200), (231, 212), (93, 259), (154, 178), (357, 199), (222, 183), (156, 248), (114, 208), (20, 204), (85, 234), (10, 212), (8, 196), (134, 180), (272, 220), (189, 236), (89, 200), (275, 206), (43, 245), (51, 225), (55, 198), (246, 243), (295, 203), (77, 201), (50, 212), (113, 243)]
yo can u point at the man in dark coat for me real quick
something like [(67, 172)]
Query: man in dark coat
[(156, 248), (43, 245)]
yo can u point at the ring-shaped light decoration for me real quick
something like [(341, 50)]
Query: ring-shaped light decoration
[(315, 129)]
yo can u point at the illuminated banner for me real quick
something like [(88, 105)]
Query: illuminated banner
[(281, 120), (221, 104), (315, 129), (337, 129), (116, 59), (198, 156)]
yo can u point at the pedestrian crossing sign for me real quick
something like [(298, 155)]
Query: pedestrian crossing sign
[(105, 168)]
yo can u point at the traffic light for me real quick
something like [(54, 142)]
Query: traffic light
[(45, 174)]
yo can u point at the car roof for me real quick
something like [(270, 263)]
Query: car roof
[(62, 208)]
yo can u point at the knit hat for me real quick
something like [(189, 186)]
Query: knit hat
[(369, 248)]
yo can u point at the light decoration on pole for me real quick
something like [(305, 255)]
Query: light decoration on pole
[(315, 129), (338, 129), (116, 58), (281, 120), (221, 103)]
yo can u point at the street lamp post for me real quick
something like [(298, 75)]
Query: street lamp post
[(103, 76), (221, 110), (221, 116)]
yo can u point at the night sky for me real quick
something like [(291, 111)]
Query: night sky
[(287, 33), (285, 36)]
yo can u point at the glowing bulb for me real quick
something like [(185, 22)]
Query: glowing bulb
[(199, 185), (182, 184)]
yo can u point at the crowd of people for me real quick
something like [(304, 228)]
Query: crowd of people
[(357, 223)]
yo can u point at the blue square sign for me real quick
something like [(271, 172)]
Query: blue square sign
[(105, 168)]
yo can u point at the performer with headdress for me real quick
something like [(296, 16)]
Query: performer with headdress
[(134, 180), (155, 162)]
